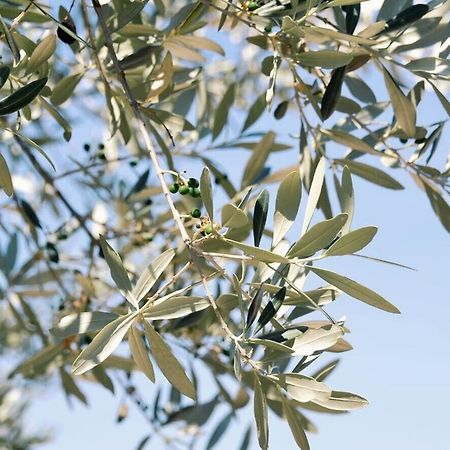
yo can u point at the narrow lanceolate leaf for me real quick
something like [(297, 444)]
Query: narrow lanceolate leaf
[(4, 74), (352, 242), (295, 425), (259, 156), (140, 353), (272, 81), (302, 388), (175, 307), (81, 323), (118, 272), (32, 144), (440, 207), (370, 173), (325, 371), (318, 237), (12, 44), (233, 217), (404, 110), (255, 111), (258, 253), (407, 16), (271, 309), (314, 193), (342, 401), (246, 441), (39, 360), (104, 343), (314, 340), (260, 216), (222, 111), (332, 93), (260, 412), (328, 59), (169, 365), (219, 431), (70, 386), (287, 205), (254, 306), (355, 290), (5, 177), (42, 53), (151, 274), (30, 213), (206, 190), (22, 97), (346, 198), (64, 89), (349, 141), (442, 98)]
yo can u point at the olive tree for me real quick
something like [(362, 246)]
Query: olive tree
[(145, 227)]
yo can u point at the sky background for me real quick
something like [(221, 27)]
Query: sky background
[(399, 362)]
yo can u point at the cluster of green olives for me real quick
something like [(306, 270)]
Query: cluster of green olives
[(191, 187)]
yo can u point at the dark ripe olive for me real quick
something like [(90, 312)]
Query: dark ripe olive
[(63, 35), (193, 182), (86, 147)]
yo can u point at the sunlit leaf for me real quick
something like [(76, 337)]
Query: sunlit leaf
[(352, 242), (287, 205), (355, 289), (151, 274), (260, 412), (140, 353), (169, 365), (104, 343)]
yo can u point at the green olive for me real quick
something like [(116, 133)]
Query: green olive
[(194, 192), (196, 213), (174, 188), (184, 190)]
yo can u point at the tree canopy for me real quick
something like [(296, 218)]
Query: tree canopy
[(175, 177)]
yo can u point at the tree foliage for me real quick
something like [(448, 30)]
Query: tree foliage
[(130, 243)]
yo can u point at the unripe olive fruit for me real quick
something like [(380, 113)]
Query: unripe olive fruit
[(184, 190), (174, 188), (252, 6), (209, 229), (196, 213), (194, 192)]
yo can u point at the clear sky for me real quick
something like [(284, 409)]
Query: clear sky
[(399, 362)]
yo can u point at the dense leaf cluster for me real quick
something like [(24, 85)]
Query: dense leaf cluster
[(158, 255)]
